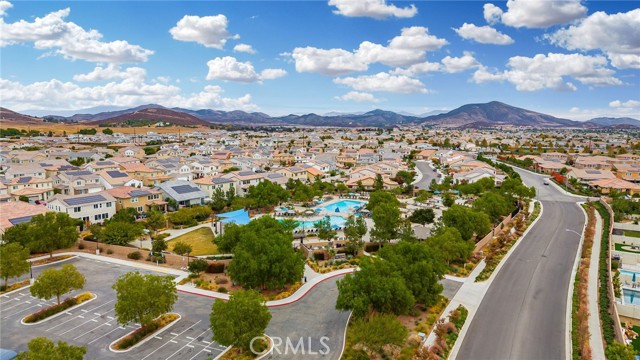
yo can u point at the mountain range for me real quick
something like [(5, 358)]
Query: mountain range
[(487, 115)]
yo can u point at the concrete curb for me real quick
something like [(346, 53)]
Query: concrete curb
[(134, 264), (16, 290), (148, 338), (543, 176), (58, 314), (487, 285), (51, 263), (595, 326), (297, 296), (344, 337), (574, 269)]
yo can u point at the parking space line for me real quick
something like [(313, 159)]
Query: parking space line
[(88, 332), (161, 346), (205, 349), (73, 328), (16, 313), (100, 337), (11, 307), (189, 343)]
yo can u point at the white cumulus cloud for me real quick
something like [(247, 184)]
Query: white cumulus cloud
[(408, 48), (230, 69), (357, 96), (383, 82), (52, 32), (483, 34), (109, 72), (617, 35), (458, 64), (629, 104), (377, 9), (4, 6), (535, 13), (209, 31), (552, 71), (244, 48)]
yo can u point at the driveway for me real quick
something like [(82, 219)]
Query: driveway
[(523, 314)]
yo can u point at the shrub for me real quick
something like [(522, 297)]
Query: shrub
[(135, 255), (80, 246), (215, 268), (223, 289), (318, 255), (142, 332), (198, 265), (109, 251), (58, 308), (371, 247), (221, 281)]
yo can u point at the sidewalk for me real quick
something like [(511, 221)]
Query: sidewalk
[(595, 330)]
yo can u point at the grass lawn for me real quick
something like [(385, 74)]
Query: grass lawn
[(625, 248), (201, 241), (636, 342), (632, 233)]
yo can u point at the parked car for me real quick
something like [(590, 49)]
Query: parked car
[(546, 181)]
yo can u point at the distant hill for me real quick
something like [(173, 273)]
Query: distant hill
[(111, 114), (495, 114), (8, 116), (151, 116), (609, 121), (236, 116)]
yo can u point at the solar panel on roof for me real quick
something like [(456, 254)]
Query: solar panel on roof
[(104, 163), (116, 174), (246, 173), (592, 172), (85, 200), (20, 220), (79, 173), (185, 189), (139, 193), (25, 179)]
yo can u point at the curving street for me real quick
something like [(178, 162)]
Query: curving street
[(523, 314)]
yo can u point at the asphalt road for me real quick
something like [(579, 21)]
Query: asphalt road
[(427, 175), (307, 321), (523, 314), (93, 325)]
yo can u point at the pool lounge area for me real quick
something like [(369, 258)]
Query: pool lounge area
[(342, 206), (631, 297)]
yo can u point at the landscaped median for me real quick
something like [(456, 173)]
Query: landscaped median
[(50, 312), (14, 286), (260, 348), (140, 335), (501, 245)]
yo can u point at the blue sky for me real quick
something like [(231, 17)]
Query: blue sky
[(575, 59)]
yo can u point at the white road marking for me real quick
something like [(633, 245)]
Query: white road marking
[(100, 337), (172, 340), (188, 344)]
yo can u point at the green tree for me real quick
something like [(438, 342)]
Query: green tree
[(495, 205), (325, 231), (155, 220), (378, 183), (127, 215), (423, 216), (386, 220), (107, 131), (420, 267), (378, 332), (158, 246), (469, 222), (57, 282), (51, 231), (341, 188), (619, 351), (142, 298), (119, 232), (355, 228), (14, 261), (450, 244), (41, 348), (448, 200), (182, 249), (267, 194), (237, 321), (377, 286), (18, 234), (229, 238), (218, 200), (381, 197), (263, 255)]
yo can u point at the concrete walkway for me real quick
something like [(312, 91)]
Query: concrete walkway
[(595, 330)]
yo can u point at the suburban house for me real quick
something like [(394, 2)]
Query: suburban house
[(245, 180), (147, 175), (628, 172), (18, 212), (587, 175), (90, 208), (607, 185), (183, 192), (368, 183), (17, 171), (140, 199), (477, 174), (211, 184), (114, 178), (78, 182), (294, 173), (34, 189)]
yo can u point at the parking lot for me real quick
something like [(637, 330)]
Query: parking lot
[(94, 325)]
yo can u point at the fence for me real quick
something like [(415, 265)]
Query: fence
[(494, 232), (613, 310)]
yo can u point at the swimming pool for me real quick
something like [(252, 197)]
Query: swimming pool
[(630, 273), (631, 297), (336, 222), (343, 206)]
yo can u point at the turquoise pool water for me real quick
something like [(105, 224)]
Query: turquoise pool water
[(343, 206), (631, 297), (630, 273), (336, 222)]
